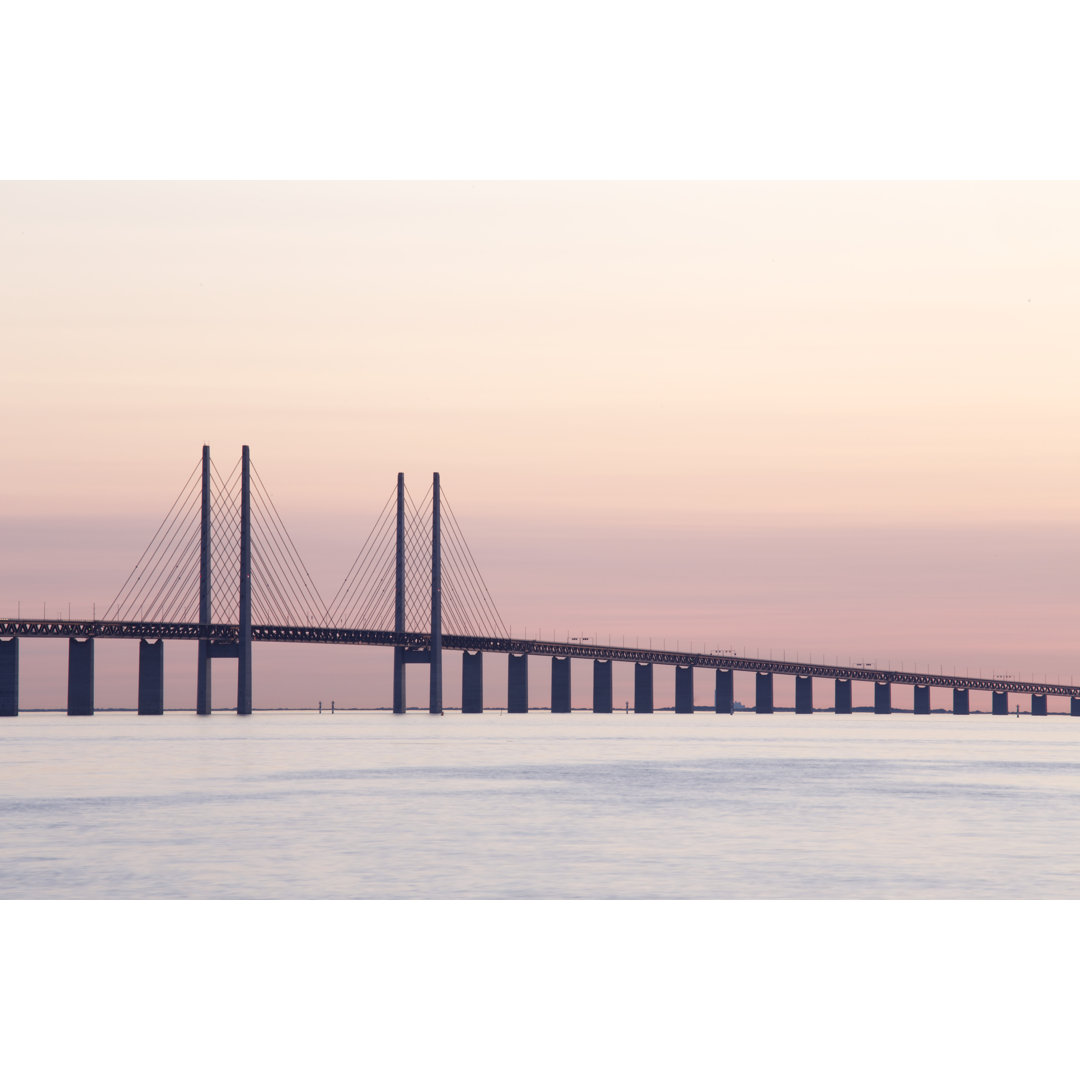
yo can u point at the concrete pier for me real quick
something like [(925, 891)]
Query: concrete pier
[(1075, 709), (922, 701), (842, 701), (883, 697), (398, 694), (203, 680), (804, 694), (643, 686), (560, 684), (517, 683), (961, 702), (1038, 704), (763, 692), (9, 677), (472, 682), (151, 677), (601, 686), (684, 689), (80, 677), (1000, 705), (725, 690)]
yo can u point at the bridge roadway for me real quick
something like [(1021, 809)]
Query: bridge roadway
[(229, 634)]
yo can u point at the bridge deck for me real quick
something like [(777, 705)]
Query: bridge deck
[(331, 635)]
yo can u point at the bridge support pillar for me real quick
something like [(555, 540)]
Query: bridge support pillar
[(9, 677), (842, 702), (517, 679), (725, 690), (643, 684), (80, 677), (922, 701), (883, 697), (203, 680), (804, 693), (684, 689), (1038, 704), (601, 686), (961, 702), (1000, 706), (763, 696), (560, 684), (151, 678), (399, 680), (472, 682), (1074, 710)]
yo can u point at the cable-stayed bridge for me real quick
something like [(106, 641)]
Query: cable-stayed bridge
[(222, 570)]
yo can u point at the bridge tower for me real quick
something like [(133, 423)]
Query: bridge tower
[(432, 655), (435, 700), (243, 665), (203, 686), (209, 649), (399, 599)]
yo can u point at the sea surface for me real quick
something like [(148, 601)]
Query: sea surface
[(367, 805)]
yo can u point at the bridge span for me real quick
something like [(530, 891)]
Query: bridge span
[(404, 595), (224, 641)]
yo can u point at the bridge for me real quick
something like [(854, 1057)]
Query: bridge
[(222, 571)]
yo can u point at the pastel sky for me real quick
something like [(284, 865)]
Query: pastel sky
[(836, 419)]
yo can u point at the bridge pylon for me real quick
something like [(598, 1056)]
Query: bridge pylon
[(435, 698), (243, 664), (203, 681), (399, 599), (211, 648), (432, 655), (415, 581)]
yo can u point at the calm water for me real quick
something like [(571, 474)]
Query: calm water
[(294, 805)]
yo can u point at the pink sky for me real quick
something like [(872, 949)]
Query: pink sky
[(826, 418)]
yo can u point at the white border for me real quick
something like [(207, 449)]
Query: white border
[(779, 89)]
